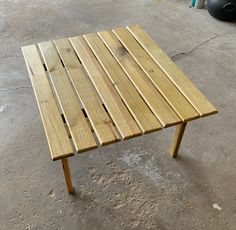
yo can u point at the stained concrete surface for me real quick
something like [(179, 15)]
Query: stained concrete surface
[(132, 184)]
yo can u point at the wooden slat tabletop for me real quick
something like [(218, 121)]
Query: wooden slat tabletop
[(108, 86), (110, 97), (70, 106), (175, 98), (57, 137), (140, 111), (181, 81), (144, 86), (100, 120)]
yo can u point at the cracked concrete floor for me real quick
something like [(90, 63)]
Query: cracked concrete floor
[(132, 184)]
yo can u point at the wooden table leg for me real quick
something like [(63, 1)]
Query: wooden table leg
[(66, 169), (179, 132)]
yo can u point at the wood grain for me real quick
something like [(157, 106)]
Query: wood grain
[(137, 107), (147, 90), (80, 132), (56, 134), (174, 97), (67, 175), (116, 108), (98, 117), (175, 74), (179, 132)]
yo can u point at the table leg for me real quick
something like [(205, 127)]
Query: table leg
[(177, 139), (66, 169)]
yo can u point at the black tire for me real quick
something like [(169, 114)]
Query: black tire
[(222, 9)]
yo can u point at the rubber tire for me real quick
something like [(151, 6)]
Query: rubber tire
[(222, 9)]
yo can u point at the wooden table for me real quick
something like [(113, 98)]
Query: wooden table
[(100, 88)]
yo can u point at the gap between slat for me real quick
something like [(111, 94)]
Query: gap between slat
[(82, 107), (123, 52), (120, 94), (199, 109), (55, 98), (50, 83), (99, 98), (183, 115), (62, 66)]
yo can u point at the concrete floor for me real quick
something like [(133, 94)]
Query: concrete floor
[(132, 184)]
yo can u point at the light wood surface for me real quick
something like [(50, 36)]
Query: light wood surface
[(107, 86), (58, 140), (116, 108), (147, 90), (175, 98), (196, 98), (80, 132), (179, 132), (67, 175), (137, 107), (100, 120)]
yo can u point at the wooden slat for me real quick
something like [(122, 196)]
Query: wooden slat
[(58, 140), (80, 132), (196, 98), (175, 98), (137, 107), (117, 110), (101, 122), (151, 95)]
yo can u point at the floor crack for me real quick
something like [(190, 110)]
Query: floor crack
[(195, 47), (12, 89)]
